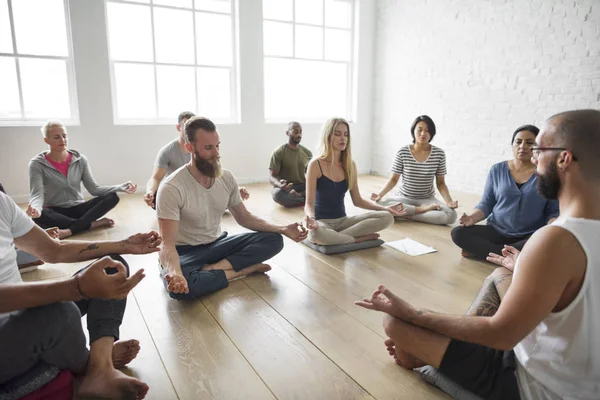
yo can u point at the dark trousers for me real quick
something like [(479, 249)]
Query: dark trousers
[(53, 334), (241, 251), (78, 218), (480, 240), (290, 200)]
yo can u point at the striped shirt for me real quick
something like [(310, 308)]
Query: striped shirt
[(417, 177)]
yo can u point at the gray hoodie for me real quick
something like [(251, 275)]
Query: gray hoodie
[(50, 188)]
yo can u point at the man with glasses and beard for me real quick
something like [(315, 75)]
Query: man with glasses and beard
[(533, 333), (287, 169), (197, 258)]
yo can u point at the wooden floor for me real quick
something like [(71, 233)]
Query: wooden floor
[(295, 332)]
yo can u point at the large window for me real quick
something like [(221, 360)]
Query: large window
[(167, 56), (308, 59), (36, 64)]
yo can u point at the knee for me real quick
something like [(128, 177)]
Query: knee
[(275, 241), (120, 259), (111, 199), (387, 218), (389, 324), (65, 313), (451, 216), (458, 235)]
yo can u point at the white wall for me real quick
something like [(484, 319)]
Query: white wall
[(121, 153), (480, 68)]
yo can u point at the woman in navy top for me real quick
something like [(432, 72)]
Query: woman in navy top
[(328, 178), (510, 202)]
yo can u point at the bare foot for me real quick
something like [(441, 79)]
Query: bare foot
[(102, 222), (402, 358), (364, 238), (111, 384), (466, 254), (65, 233), (432, 207), (257, 269), (124, 352)]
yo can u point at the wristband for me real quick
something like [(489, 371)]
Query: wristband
[(83, 295)]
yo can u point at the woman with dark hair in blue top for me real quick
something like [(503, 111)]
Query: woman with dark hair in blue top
[(510, 202)]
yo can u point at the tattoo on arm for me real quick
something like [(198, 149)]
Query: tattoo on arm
[(90, 247), (487, 301)]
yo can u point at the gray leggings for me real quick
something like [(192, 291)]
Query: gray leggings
[(444, 216), (344, 230), (53, 333)]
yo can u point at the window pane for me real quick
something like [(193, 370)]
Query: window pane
[(338, 13), (49, 34), (309, 42), (9, 89), (214, 5), (308, 80), (309, 11), (140, 1), (45, 88), (213, 39), (5, 35), (176, 90), (278, 9), (129, 32), (174, 36), (214, 92), (174, 3), (135, 91), (277, 39), (337, 45)]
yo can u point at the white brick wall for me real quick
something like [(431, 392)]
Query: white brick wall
[(480, 68)]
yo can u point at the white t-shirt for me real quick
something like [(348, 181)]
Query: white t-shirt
[(13, 223), (199, 210)]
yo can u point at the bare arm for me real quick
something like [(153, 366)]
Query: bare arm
[(389, 185), (38, 243), (33, 294), (158, 175), (358, 200), (440, 181), (168, 256), (537, 288), (276, 181), (312, 174), (250, 221)]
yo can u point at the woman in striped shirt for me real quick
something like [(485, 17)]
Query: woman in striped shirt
[(419, 164)]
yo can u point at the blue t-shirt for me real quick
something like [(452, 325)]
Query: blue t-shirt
[(511, 210)]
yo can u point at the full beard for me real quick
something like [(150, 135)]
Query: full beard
[(549, 185), (208, 168)]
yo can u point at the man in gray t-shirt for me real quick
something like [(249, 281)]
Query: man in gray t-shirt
[(196, 257)]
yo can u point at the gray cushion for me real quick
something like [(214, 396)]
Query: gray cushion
[(343, 248), (436, 378)]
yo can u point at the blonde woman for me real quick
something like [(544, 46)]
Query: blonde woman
[(328, 178)]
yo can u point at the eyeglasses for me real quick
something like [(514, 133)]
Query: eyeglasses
[(536, 151)]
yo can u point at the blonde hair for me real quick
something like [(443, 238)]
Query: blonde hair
[(326, 151), (49, 125)]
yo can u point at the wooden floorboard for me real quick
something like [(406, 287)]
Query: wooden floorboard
[(295, 332)]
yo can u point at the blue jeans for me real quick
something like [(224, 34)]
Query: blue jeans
[(241, 251)]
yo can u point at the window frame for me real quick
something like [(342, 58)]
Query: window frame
[(234, 78), (352, 64), (70, 68)]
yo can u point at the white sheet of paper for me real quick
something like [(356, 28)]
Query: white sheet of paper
[(411, 247)]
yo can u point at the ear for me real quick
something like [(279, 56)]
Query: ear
[(188, 147), (178, 127), (46, 140), (564, 159)]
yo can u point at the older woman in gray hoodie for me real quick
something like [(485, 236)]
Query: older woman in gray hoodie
[(55, 179)]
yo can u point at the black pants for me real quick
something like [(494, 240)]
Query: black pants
[(286, 199), (242, 251), (53, 333), (78, 218), (480, 240)]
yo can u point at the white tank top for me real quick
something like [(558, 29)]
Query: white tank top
[(560, 358)]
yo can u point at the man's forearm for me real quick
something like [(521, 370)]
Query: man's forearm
[(20, 296), (256, 224), (472, 329), (275, 181), (152, 185), (169, 260), (72, 251)]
